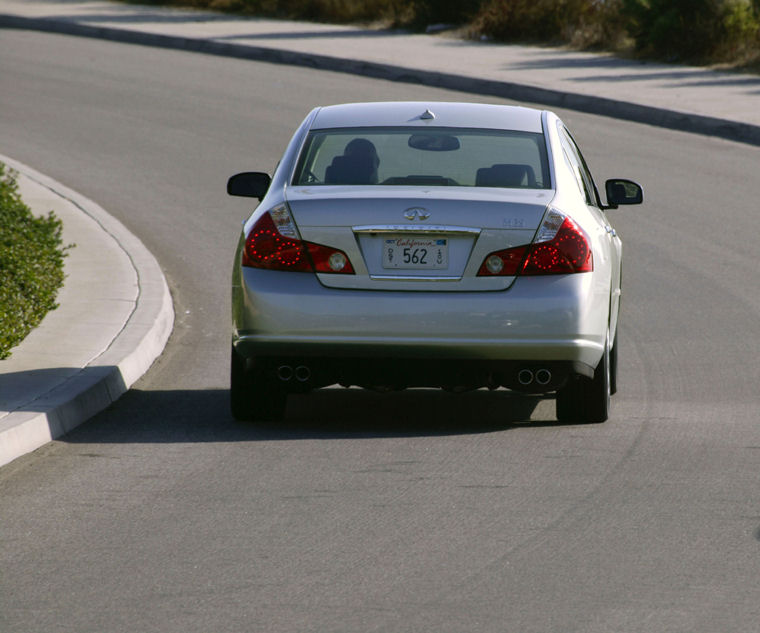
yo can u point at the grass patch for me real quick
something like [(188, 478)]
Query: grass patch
[(31, 264)]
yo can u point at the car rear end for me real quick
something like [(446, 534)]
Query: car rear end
[(449, 266)]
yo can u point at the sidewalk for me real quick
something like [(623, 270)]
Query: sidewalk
[(105, 335), (685, 98)]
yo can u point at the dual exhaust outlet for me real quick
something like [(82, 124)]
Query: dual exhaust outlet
[(286, 373), (540, 377), (526, 377)]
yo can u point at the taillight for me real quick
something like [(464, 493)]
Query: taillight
[(568, 251), (328, 260), (273, 243), (266, 247), (561, 247), (504, 263)]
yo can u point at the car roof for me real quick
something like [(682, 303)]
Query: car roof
[(418, 114)]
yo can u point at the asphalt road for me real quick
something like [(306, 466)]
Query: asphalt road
[(416, 511)]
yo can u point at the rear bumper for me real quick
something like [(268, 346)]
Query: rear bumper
[(284, 315), (300, 372)]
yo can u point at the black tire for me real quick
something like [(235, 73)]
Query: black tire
[(587, 400), (252, 397)]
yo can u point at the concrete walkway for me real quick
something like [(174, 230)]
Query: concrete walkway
[(114, 318), (106, 333)]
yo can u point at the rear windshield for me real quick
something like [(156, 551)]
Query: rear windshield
[(462, 157)]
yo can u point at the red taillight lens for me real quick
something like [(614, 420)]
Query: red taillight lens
[(266, 247), (569, 251)]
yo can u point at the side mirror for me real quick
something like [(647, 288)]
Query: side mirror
[(249, 184), (622, 191)]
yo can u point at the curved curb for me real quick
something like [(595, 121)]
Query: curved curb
[(589, 103), (78, 393)]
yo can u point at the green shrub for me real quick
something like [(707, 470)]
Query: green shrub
[(693, 30), (31, 265)]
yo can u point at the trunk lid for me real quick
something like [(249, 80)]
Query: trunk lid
[(417, 238)]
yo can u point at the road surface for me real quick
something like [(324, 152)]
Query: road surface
[(416, 511)]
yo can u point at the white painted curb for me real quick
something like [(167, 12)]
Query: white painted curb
[(132, 345)]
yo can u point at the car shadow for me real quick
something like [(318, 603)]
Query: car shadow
[(142, 416)]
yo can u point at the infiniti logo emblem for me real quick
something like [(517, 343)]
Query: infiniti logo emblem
[(416, 213)]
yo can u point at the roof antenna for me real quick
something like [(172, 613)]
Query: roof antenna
[(427, 115)]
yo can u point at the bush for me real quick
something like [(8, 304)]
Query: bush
[(426, 12), (31, 265), (329, 10), (583, 23), (693, 30), (338, 11), (701, 31), (414, 13)]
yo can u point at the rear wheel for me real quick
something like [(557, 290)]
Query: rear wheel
[(587, 400), (253, 398)]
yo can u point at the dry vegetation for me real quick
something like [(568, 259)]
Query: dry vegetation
[(688, 31)]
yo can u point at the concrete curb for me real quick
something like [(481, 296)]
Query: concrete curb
[(71, 395), (657, 116)]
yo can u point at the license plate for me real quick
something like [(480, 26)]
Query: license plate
[(419, 253)]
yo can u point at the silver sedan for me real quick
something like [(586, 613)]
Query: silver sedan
[(413, 244)]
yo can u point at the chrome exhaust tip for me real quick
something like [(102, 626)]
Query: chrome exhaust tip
[(543, 377), (302, 373), (525, 377), (285, 372)]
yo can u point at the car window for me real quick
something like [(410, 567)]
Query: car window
[(575, 159), (424, 156)]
